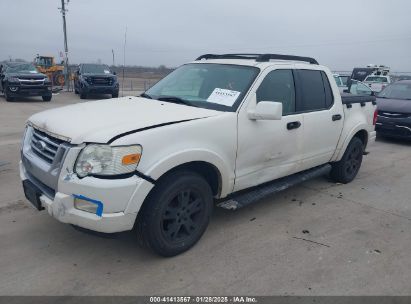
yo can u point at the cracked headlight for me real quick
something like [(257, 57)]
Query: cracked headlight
[(105, 160)]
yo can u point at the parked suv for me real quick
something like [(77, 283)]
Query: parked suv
[(93, 78), (224, 129), (18, 79)]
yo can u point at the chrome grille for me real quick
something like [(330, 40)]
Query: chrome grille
[(45, 146), (31, 81), (103, 81)]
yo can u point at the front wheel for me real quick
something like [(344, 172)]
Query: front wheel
[(176, 213), (345, 170), (46, 98), (6, 94), (114, 95), (83, 95)]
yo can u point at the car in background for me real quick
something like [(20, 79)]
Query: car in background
[(394, 110), (359, 88), (360, 74), (341, 82), (377, 83), (18, 79), (93, 78)]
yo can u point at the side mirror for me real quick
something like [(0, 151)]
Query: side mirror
[(372, 93), (78, 72), (346, 91), (266, 110), (114, 73)]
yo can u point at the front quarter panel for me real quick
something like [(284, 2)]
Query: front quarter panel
[(211, 139)]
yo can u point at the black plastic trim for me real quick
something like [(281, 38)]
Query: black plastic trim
[(148, 128), (125, 175), (259, 57), (350, 98)]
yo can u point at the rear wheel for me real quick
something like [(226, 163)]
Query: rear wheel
[(347, 168), (176, 213), (83, 95), (114, 95)]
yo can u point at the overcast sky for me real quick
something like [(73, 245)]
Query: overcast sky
[(340, 34)]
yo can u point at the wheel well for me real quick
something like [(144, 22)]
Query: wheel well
[(363, 136), (206, 170)]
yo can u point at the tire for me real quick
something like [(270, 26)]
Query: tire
[(176, 213), (46, 98), (345, 170), (58, 78), (75, 91), (114, 95), (6, 95), (83, 95)]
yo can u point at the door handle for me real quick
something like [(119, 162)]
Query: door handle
[(293, 125), (336, 117)]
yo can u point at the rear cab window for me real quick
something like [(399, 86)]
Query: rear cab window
[(376, 79), (314, 92)]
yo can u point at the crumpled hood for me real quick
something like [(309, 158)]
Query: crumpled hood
[(99, 121)]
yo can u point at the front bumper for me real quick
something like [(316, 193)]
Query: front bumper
[(29, 91), (57, 186), (392, 127)]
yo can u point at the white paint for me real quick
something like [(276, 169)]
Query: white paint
[(246, 151)]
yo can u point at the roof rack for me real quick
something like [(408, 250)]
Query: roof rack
[(258, 57)]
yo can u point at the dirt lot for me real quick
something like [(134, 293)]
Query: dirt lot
[(319, 238)]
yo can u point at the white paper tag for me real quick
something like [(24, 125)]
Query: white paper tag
[(33, 72), (223, 97), (106, 72)]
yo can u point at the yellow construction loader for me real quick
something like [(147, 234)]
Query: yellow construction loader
[(47, 65)]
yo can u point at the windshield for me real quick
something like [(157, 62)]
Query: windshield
[(397, 91), (344, 79), (205, 85), (376, 79), (95, 69), (358, 88), (26, 67)]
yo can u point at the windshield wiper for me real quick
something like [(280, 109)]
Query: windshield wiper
[(146, 96), (175, 99)]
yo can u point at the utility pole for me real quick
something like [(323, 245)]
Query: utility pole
[(112, 51), (67, 74), (124, 61)]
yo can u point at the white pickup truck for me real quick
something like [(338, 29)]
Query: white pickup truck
[(377, 83), (223, 130)]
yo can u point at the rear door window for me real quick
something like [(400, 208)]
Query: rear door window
[(314, 91)]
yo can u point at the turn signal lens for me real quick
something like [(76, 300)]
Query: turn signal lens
[(131, 159)]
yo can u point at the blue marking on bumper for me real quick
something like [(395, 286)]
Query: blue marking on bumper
[(99, 204)]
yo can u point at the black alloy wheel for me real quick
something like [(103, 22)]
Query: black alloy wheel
[(176, 213)]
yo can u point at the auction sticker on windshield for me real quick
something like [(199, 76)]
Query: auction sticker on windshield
[(223, 96)]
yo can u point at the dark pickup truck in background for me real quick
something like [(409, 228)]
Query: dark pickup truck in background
[(95, 79), (19, 79)]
